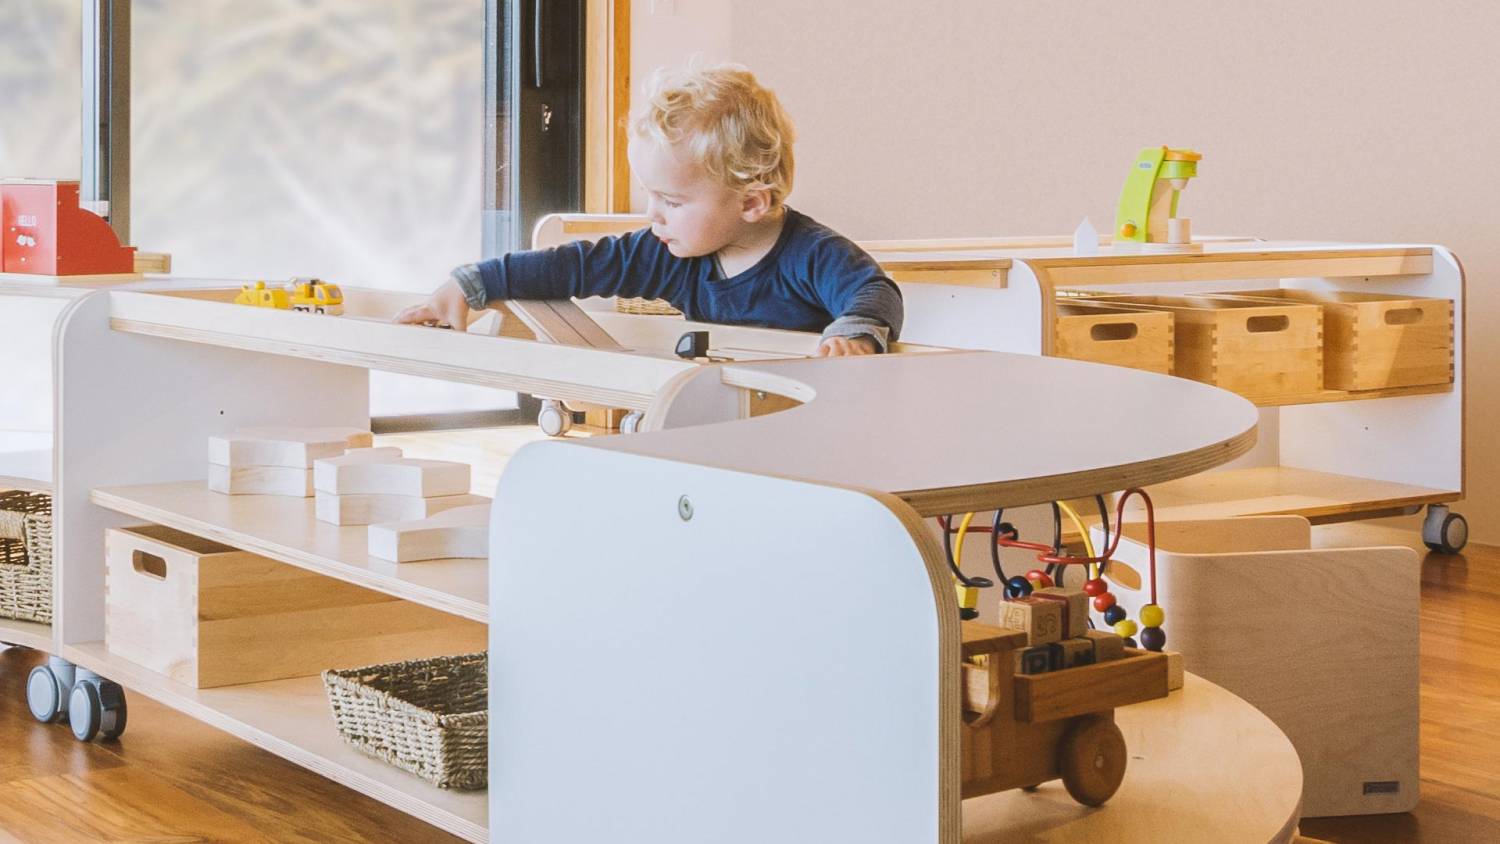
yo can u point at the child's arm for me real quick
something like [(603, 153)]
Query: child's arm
[(865, 303), (630, 265)]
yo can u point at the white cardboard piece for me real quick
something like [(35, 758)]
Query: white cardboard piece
[(261, 480), (460, 532), (284, 445), (360, 509), (383, 471)]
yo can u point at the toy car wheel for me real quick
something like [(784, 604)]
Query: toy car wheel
[(43, 695), (1092, 759)]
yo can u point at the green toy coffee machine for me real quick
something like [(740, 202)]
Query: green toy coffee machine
[(1148, 205)]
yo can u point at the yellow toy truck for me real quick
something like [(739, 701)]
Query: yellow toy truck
[(258, 295), (316, 296), (311, 295)]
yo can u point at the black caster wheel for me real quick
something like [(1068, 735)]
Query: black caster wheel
[(45, 695), (96, 708), (1443, 531)]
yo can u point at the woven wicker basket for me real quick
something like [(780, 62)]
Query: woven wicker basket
[(649, 307), (26, 556), (427, 716)]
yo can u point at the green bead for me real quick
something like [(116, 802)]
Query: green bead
[(1152, 616), (1125, 629)]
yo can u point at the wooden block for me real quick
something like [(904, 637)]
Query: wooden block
[(1140, 676), (1076, 652), (1174, 670), (284, 446), (344, 510), (1075, 603), (977, 638), (460, 532), (260, 480), (1041, 619), (1107, 646), (208, 615), (383, 471), (1038, 659)]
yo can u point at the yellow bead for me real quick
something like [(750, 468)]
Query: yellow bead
[(1152, 616), (1125, 629)]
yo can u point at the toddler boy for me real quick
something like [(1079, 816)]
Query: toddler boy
[(713, 150)]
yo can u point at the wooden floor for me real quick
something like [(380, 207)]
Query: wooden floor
[(172, 779)]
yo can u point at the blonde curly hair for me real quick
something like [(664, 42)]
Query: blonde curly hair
[(725, 121)]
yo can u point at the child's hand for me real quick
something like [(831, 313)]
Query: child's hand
[(446, 307), (835, 347)]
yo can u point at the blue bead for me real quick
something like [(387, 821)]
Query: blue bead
[(1130, 643), (1114, 615), (1153, 638), (1017, 587)]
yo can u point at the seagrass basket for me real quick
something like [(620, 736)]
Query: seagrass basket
[(649, 307), (429, 717), (26, 556)]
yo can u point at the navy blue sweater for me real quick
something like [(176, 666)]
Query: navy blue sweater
[(813, 279)]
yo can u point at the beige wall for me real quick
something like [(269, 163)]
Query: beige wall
[(1331, 120)]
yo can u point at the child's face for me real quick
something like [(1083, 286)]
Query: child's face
[(690, 211)]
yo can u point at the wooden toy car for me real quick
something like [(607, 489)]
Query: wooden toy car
[(1023, 730)]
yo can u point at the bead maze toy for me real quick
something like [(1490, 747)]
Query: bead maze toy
[(1040, 689), (1147, 215), (46, 232)]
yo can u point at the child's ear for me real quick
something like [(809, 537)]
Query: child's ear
[(755, 204)]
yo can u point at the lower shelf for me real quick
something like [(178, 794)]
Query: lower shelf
[(28, 634), (1277, 490), (291, 719)]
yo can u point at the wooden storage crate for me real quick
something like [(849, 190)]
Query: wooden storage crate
[(1259, 349), (207, 615), (1132, 337), (1373, 341)]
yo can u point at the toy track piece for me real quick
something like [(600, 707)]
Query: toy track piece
[(1092, 760)]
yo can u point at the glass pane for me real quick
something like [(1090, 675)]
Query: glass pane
[(336, 138), (39, 88)]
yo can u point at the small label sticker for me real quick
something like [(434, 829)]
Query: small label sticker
[(26, 219), (1382, 787)]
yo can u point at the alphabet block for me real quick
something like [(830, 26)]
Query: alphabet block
[(1075, 608), (1040, 618)]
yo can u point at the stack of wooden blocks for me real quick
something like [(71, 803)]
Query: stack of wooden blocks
[(1056, 623), (415, 509), (275, 461)]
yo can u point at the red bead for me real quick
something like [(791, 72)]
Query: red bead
[(1095, 587), (1103, 602), (1039, 578)]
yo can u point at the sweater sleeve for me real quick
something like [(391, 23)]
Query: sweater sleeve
[(862, 300), (629, 265)]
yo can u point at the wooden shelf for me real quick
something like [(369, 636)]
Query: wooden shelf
[(1356, 395), (286, 529), (291, 719), (1276, 490), (26, 633)]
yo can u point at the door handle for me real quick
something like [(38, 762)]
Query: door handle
[(537, 32)]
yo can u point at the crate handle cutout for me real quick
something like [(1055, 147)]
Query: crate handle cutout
[(149, 565), (1267, 324), (1403, 316), (1113, 331)]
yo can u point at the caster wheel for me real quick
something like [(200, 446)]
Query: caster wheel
[(554, 419), (44, 694), (85, 713), (1445, 532), (112, 702), (1093, 761), (631, 422)]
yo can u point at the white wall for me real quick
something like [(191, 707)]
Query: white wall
[(1335, 120)]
